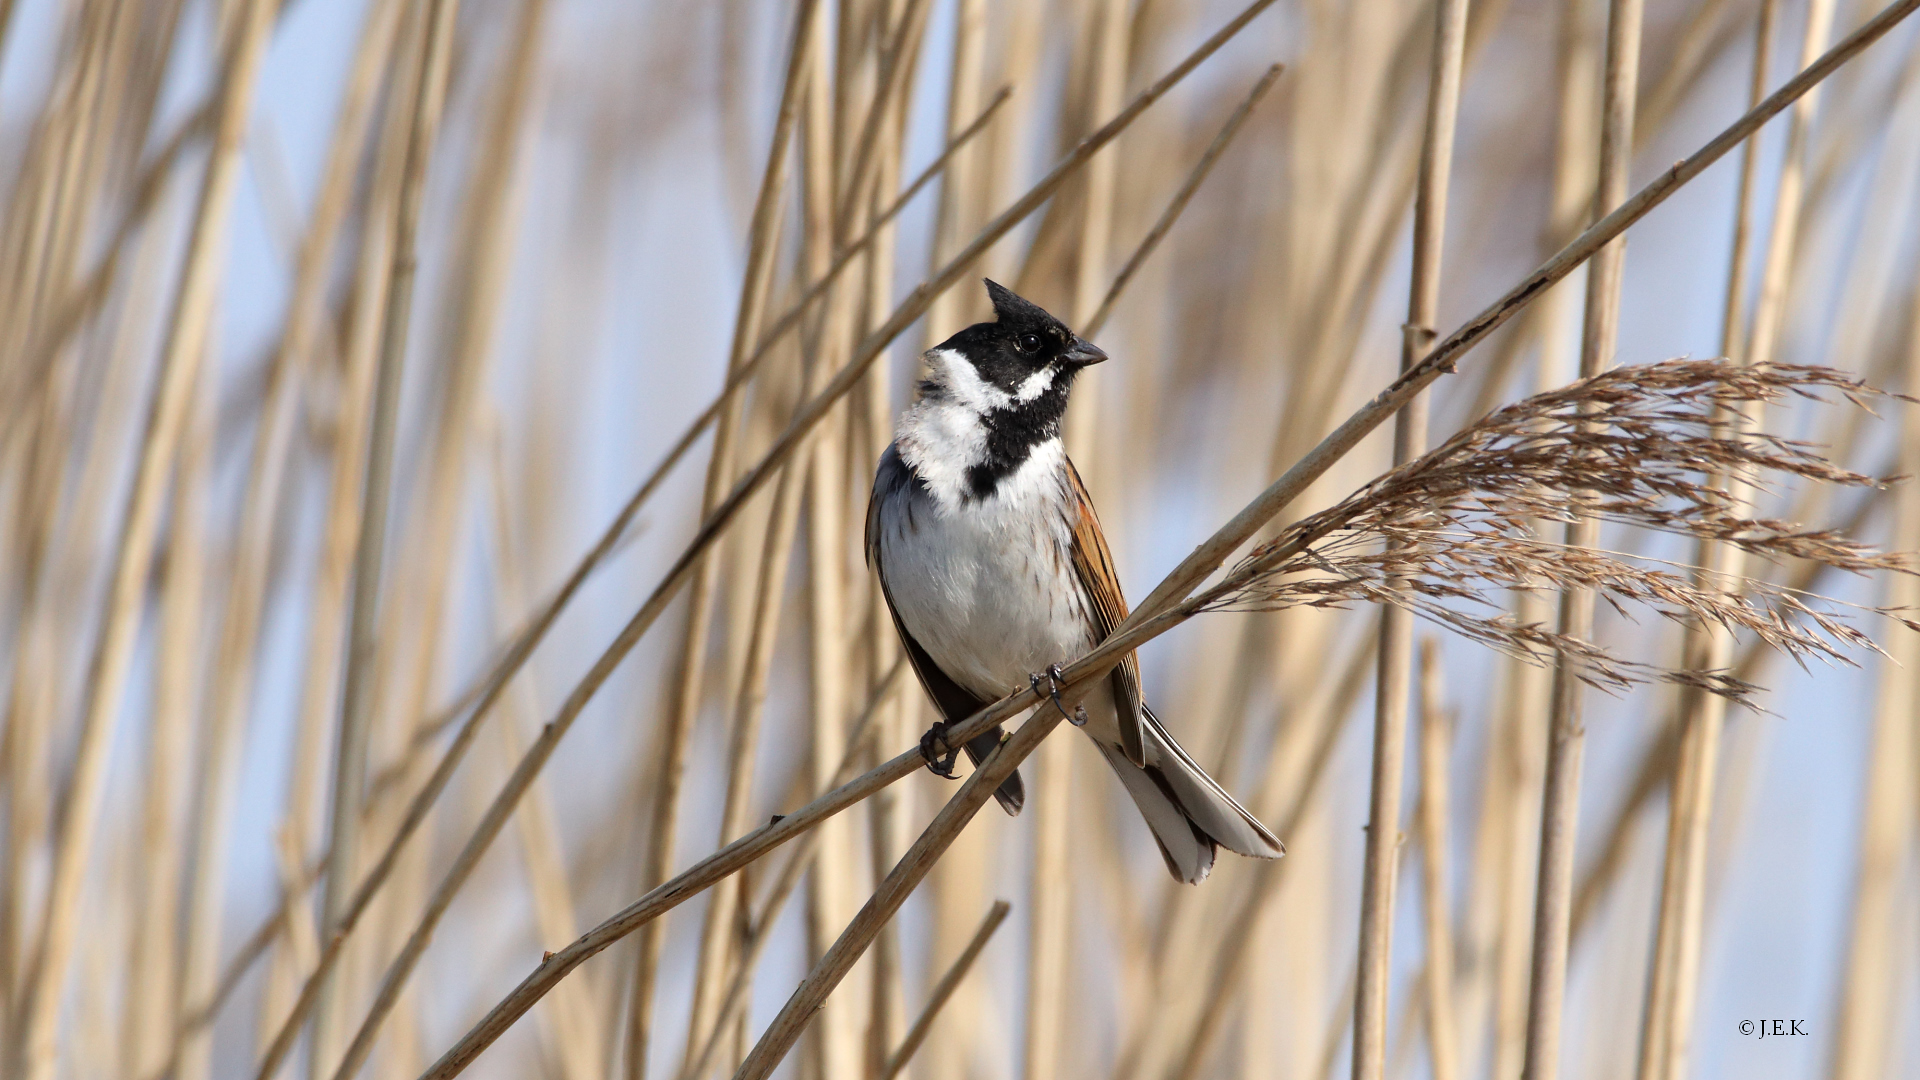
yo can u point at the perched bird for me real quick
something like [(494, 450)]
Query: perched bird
[(995, 569)]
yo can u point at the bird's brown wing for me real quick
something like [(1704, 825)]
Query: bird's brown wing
[(954, 702), (1108, 606)]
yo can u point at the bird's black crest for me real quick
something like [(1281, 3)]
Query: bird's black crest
[(1017, 312)]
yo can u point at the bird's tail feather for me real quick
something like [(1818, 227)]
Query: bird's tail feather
[(1189, 814)]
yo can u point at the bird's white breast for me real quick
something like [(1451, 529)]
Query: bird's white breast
[(986, 585)]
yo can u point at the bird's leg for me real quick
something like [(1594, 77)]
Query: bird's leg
[(1054, 677), (940, 756)]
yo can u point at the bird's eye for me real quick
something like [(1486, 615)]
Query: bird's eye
[(1028, 343)]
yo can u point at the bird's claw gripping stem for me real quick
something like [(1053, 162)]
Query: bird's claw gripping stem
[(1054, 677), (939, 754)]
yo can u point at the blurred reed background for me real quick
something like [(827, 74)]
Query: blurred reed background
[(366, 366)]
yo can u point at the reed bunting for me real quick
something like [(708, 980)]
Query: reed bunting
[(995, 569)]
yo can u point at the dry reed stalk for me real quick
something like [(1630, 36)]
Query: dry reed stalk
[(295, 365), (41, 549), (576, 1041), (1435, 755), (1100, 55), (1673, 983), (959, 212), (762, 240), (744, 741), (1327, 715), (1208, 557), (774, 461), (113, 655), (423, 101), (1863, 1012), (1560, 797), (1188, 188), (489, 222), (943, 990), (44, 537), (416, 613), (1480, 456), (891, 893), (830, 897), (326, 642), (805, 856), (1502, 909), (1393, 682), (754, 631), (153, 1005), (869, 416), (1096, 83), (254, 542)]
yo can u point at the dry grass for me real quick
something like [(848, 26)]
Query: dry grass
[(537, 384)]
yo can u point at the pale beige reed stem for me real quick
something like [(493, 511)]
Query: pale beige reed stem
[(113, 655), (424, 100), (1436, 744), (176, 700), (1673, 985), (763, 238), (1391, 694), (1560, 801), (943, 990), (1864, 1014), (325, 650)]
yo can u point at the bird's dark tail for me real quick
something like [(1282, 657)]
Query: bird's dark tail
[(1189, 813)]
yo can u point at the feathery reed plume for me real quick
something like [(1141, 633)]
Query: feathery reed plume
[(1631, 446)]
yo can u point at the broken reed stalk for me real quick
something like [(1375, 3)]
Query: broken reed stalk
[(1566, 733), (944, 989), (1380, 860), (112, 661), (1672, 986)]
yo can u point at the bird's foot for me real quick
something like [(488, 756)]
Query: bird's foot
[(940, 756), (1054, 677)]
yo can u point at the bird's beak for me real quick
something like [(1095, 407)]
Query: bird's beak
[(1083, 353)]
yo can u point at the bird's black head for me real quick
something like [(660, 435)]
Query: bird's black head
[(1011, 378), (1021, 343)]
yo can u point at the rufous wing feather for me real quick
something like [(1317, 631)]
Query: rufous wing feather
[(1093, 562)]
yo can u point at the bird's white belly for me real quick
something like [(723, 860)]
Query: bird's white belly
[(990, 592)]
